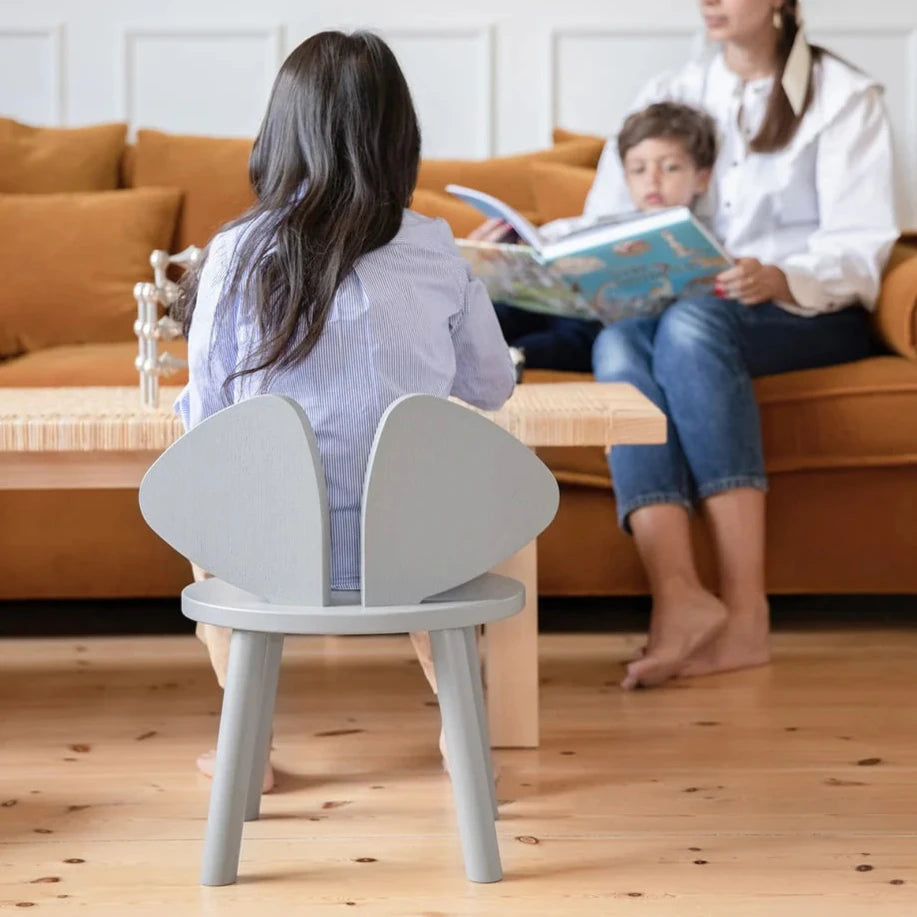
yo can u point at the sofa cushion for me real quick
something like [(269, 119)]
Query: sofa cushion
[(850, 416), (69, 263), (461, 217), (44, 160), (506, 177), (84, 364), (212, 173), (560, 190)]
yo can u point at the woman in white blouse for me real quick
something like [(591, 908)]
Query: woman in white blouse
[(802, 198)]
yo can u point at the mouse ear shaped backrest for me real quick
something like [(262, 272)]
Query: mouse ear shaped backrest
[(242, 494), (448, 495)]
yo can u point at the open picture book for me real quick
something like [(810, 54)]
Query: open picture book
[(614, 267)]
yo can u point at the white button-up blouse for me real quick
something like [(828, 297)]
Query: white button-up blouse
[(822, 209)]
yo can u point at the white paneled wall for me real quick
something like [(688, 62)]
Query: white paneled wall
[(32, 73), (450, 72), (488, 76), (166, 73), (597, 72)]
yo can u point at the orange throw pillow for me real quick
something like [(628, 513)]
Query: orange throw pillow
[(559, 191), (211, 171), (45, 160), (506, 177), (562, 135), (461, 217), (69, 263)]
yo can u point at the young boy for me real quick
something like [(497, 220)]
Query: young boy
[(667, 152)]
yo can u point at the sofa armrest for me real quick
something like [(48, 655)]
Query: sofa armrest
[(896, 310)]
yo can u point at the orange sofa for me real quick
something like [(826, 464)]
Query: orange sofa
[(80, 210)]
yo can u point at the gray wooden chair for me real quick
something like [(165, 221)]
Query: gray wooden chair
[(447, 496)]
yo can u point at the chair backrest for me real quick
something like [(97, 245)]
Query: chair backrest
[(447, 496), (242, 495)]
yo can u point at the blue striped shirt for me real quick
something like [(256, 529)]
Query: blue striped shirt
[(409, 318)]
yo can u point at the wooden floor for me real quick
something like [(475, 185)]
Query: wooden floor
[(785, 791)]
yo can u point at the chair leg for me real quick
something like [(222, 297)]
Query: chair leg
[(477, 687), (265, 721), (473, 807), (235, 752)]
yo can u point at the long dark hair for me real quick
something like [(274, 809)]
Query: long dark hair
[(780, 121), (333, 168)]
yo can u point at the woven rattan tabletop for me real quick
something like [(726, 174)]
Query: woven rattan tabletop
[(111, 419)]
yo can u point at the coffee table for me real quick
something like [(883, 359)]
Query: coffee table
[(76, 438)]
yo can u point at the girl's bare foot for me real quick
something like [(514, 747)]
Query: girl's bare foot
[(683, 622), (207, 762), (743, 644)]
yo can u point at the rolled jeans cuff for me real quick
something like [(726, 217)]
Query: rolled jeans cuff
[(652, 499), (733, 482)]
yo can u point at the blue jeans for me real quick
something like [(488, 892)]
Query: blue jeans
[(696, 362), (549, 342)]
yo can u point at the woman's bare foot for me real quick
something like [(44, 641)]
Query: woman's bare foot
[(744, 643), (683, 622), (207, 762)]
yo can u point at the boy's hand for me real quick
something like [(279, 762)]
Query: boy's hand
[(753, 283), (494, 230)]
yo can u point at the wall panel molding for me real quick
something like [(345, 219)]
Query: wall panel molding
[(270, 40), (54, 35), (559, 34), (485, 86)]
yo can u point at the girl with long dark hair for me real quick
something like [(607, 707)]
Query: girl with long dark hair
[(329, 290)]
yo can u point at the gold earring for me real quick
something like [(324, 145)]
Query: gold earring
[(778, 18)]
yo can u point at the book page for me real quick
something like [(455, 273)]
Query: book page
[(514, 275)]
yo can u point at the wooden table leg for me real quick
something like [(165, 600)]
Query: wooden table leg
[(512, 662)]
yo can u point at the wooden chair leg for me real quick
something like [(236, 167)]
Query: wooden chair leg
[(473, 661), (473, 805), (235, 753), (262, 749)]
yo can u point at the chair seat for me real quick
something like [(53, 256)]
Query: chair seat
[(486, 598)]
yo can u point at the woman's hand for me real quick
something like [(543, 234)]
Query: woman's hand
[(494, 230), (753, 283)]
